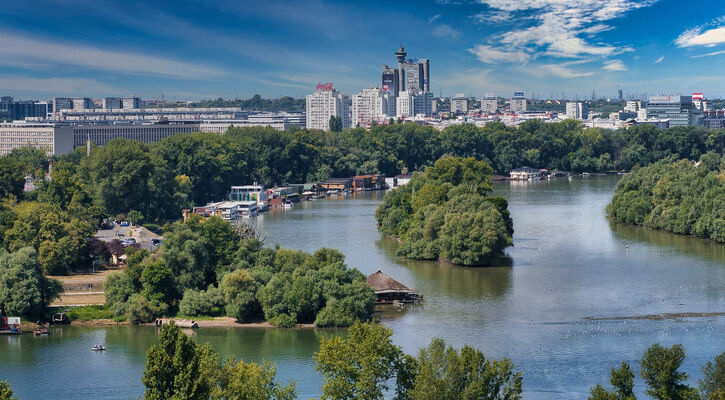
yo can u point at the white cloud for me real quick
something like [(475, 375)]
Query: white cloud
[(492, 55), (444, 30), (562, 71), (659, 60), (614, 65), (698, 37), (58, 86), (433, 18), (20, 49), (714, 53), (563, 28)]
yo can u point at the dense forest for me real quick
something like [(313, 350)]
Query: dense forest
[(444, 214), (681, 197)]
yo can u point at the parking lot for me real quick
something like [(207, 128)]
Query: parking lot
[(142, 235)]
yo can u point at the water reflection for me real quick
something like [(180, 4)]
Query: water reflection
[(707, 249)]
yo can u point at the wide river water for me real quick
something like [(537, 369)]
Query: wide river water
[(555, 305)]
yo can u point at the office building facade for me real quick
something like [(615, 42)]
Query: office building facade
[(82, 103), (459, 104), (130, 103), (412, 105), (112, 103), (371, 105), (679, 110)]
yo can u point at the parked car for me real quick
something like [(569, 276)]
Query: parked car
[(156, 241), (128, 241), (124, 223)]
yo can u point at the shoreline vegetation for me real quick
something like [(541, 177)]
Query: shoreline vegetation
[(681, 197)]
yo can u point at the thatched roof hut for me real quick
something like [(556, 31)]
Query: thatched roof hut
[(388, 289)]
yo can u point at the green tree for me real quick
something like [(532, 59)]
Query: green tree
[(335, 124), (5, 392), (359, 366), (712, 383), (159, 283), (660, 370), (444, 373), (135, 217), (242, 380), (24, 290), (179, 369), (239, 290), (622, 380)]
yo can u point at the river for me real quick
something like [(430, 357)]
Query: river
[(555, 304)]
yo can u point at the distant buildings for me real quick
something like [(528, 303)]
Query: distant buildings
[(112, 103), (19, 110), (324, 103), (130, 103), (517, 104), (371, 105), (679, 110), (489, 103), (82, 103), (459, 104), (409, 104), (577, 110), (62, 103)]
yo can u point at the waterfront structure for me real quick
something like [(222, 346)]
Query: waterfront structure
[(388, 290), (398, 180), (577, 110), (324, 103), (42, 136), (517, 104), (130, 103), (249, 193), (112, 103), (489, 103), (525, 173), (82, 103), (679, 110), (459, 104)]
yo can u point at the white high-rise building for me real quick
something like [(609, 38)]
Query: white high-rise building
[(577, 110), (371, 105), (489, 103), (324, 103), (411, 105), (518, 103)]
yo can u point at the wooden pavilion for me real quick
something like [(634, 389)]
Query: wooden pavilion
[(388, 290)]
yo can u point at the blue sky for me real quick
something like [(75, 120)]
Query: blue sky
[(190, 50)]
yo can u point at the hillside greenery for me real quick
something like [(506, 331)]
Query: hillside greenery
[(680, 197), (256, 103), (444, 214)]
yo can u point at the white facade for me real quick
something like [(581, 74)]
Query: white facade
[(45, 137), (459, 104), (517, 104), (411, 105), (323, 104), (367, 106), (577, 110), (633, 105), (82, 103), (489, 103), (130, 103)]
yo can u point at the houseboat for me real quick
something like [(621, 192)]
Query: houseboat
[(247, 208), (250, 193)]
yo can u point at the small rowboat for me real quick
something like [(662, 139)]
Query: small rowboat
[(39, 332), (98, 347)]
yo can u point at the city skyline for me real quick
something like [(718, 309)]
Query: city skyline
[(224, 49)]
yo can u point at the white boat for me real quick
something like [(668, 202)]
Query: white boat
[(288, 205), (98, 347)]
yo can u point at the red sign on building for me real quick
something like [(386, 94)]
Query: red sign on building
[(324, 86), (697, 96)]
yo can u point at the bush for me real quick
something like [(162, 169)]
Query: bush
[(140, 310), (202, 302), (239, 289), (284, 321), (90, 313)]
